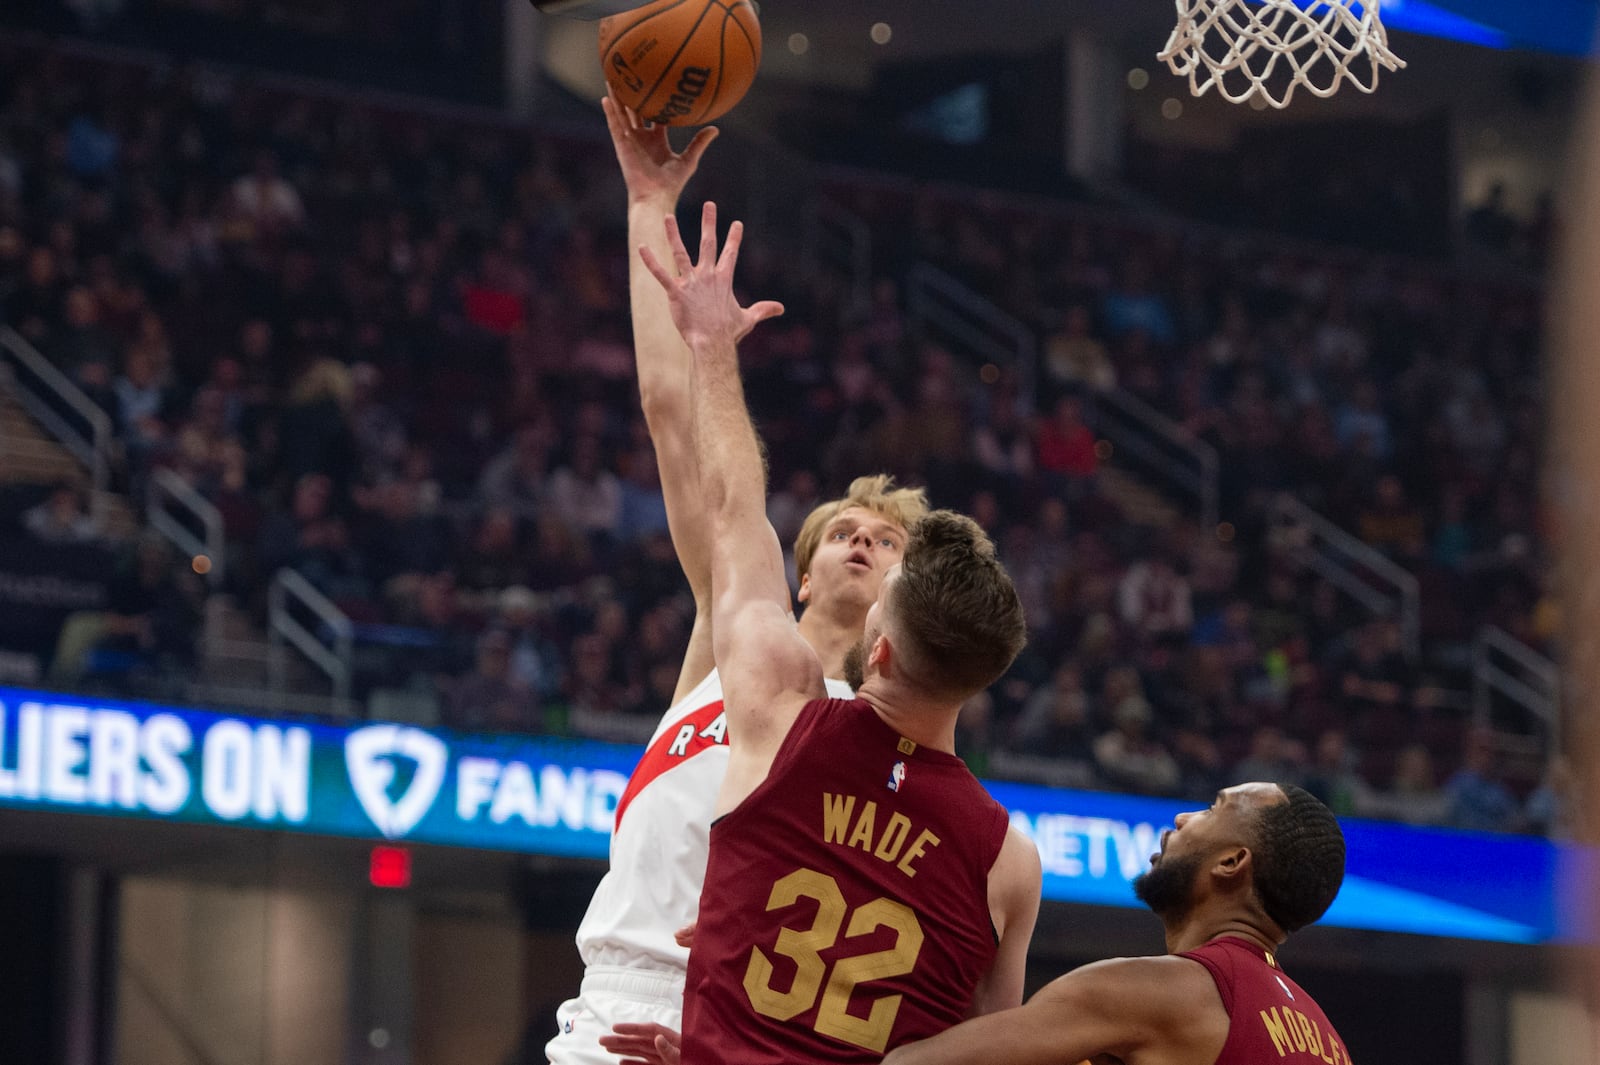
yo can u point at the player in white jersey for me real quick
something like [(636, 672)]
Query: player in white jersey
[(633, 965)]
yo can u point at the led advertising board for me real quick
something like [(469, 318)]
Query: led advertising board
[(542, 795)]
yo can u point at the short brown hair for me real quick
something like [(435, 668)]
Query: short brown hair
[(954, 608), (877, 493)]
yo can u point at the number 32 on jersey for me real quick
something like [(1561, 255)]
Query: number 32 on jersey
[(804, 948)]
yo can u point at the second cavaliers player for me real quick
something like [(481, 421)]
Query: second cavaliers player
[(862, 889), (633, 965)]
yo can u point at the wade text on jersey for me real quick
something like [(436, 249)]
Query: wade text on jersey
[(849, 822)]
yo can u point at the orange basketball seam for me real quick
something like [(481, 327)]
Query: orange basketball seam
[(672, 61), (755, 48), (640, 21), (710, 108)]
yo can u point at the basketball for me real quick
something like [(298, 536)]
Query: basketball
[(681, 62)]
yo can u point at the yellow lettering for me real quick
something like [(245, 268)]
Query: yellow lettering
[(1340, 1056), (1325, 1049), (862, 836), (836, 816), (1313, 1036), (924, 840), (894, 837), (1297, 1033), (1275, 1028)]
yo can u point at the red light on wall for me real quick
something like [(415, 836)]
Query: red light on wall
[(390, 867)]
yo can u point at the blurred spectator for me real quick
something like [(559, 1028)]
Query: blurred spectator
[(1134, 305), (1153, 600), (494, 555), (1553, 809), (535, 659), (516, 476), (644, 508), (1333, 777), (1056, 720), (491, 698), (1479, 799), (151, 620), (1412, 794), (311, 538), (788, 506), (61, 519), (586, 495), (313, 434), (1066, 447), (596, 698), (1129, 758), (264, 201), (1272, 757), (1075, 359), (1391, 523), (1003, 445), (1361, 424), (143, 400)]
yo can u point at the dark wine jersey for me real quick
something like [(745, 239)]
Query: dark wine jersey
[(845, 908), (1270, 1019)]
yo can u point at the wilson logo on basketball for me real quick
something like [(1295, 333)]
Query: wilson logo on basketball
[(624, 73), (691, 84)]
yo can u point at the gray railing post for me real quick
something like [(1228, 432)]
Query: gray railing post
[(1170, 451), (1343, 559), (939, 305), (1504, 666), (284, 630), (93, 448)]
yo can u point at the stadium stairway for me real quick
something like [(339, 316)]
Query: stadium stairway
[(29, 456), (235, 653)]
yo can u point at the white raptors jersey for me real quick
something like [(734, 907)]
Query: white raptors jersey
[(660, 843)]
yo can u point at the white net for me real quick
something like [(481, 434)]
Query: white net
[(1267, 49)]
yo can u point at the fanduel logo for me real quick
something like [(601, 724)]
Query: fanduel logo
[(369, 754)]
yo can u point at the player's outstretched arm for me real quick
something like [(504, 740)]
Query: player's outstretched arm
[(1014, 901), (655, 176), (1141, 1011), (767, 669)]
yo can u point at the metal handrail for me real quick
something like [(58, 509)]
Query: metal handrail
[(934, 298), (1180, 457), (283, 627), (1537, 690), (1341, 558), (168, 490), (93, 450)]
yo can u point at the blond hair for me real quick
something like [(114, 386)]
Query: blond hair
[(877, 493)]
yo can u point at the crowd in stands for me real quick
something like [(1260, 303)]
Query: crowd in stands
[(392, 349)]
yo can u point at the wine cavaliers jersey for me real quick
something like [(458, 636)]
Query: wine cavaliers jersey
[(1269, 1018), (845, 909), (658, 847)]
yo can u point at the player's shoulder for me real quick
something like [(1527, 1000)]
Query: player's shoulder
[(1175, 989)]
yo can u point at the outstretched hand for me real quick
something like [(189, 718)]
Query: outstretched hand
[(644, 1044), (650, 168), (704, 307)]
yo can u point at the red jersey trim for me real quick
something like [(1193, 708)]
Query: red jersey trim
[(696, 731)]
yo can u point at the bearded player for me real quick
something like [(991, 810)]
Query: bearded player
[(862, 889), (633, 963), (1231, 884)]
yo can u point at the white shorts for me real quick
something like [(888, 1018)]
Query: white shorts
[(610, 996)]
